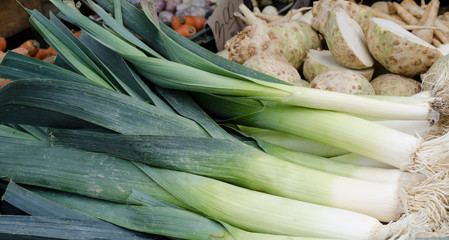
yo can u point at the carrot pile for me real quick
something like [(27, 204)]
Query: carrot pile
[(30, 48), (188, 25)]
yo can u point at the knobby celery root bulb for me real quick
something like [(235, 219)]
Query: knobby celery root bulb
[(322, 9), (344, 82), (395, 85), (318, 62), (276, 67), (346, 41), (398, 50), (275, 39)]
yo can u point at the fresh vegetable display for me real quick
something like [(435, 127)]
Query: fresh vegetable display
[(191, 13), (140, 131)]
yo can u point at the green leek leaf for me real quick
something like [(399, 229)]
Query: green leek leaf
[(57, 103)]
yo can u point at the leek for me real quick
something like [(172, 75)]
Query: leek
[(264, 213), (69, 104), (292, 142), (353, 134), (300, 144), (16, 66), (356, 159), (243, 165), (89, 174), (166, 221), (337, 167), (335, 129), (178, 76), (52, 220), (153, 216)]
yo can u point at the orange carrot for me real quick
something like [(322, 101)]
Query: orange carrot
[(21, 50), (2, 54), (186, 30), (51, 51), (77, 34), (175, 22), (3, 82), (43, 53), (2, 44), (32, 46), (195, 21)]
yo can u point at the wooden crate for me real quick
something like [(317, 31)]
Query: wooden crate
[(13, 18)]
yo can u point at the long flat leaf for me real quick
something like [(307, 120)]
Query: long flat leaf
[(166, 41), (166, 221), (95, 63), (50, 103), (117, 65), (114, 66), (36, 205), (22, 142), (182, 55), (122, 31), (17, 66), (90, 174), (97, 32), (38, 132), (140, 198), (136, 21), (7, 131), (187, 107), (66, 48), (38, 227), (179, 76), (218, 158)]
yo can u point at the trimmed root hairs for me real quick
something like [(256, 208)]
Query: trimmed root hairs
[(425, 206)]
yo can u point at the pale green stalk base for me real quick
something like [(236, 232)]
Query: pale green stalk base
[(327, 100), (342, 131), (264, 213), (421, 99), (246, 166), (411, 127), (334, 166), (292, 142), (377, 199), (357, 159), (239, 234)]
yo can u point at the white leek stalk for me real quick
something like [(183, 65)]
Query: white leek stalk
[(264, 213), (178, 76), (357, 159), (237, 163), (430, 158), (334, 166), (292, 142)]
